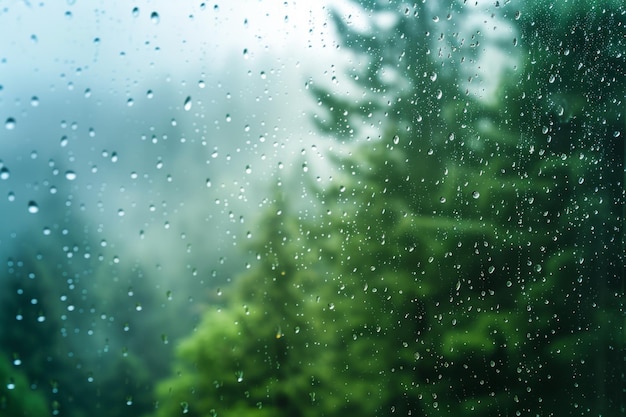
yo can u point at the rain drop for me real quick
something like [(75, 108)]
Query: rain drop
[(33, 207), (187, 104), (4, 173), (70, 175), (154, 16), (475, 194), (10, 123)]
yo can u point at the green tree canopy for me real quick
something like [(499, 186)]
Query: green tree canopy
[(466, 258)]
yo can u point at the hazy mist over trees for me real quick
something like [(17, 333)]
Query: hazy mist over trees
[(374, 208)]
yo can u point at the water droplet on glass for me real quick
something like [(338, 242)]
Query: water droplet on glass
[(34, 101), (135, 12), (154, 16), (10, 123), (187, 104), (70, 175), (396, 139), (475, 194), (4, 173), (33, 207), (245, 53)]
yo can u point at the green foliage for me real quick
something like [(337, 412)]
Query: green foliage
[(465, 262), (16, 396), (73, 349)]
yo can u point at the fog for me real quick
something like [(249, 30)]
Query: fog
[(160, 121), (161, 126)]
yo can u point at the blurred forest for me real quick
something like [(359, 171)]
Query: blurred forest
[(467, 258)]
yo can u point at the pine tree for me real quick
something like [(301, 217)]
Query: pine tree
[(466, 258)]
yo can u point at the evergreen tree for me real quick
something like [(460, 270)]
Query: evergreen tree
[(81, 342), (466, 260), (17, 398)]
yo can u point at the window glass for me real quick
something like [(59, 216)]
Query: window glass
[(307, 208)]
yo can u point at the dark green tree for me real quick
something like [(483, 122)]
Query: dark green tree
[(83, 343), (467, 257), (17, 398)]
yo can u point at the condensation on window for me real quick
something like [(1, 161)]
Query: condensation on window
[(299, 209)]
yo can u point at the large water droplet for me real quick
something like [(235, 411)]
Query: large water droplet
[(154, 16), (10, 123), (187, 104), (70, 175), (33, 207), (4, 173)]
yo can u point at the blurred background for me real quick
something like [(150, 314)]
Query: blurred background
[(310, 208)]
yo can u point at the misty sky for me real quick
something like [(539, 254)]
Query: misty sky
[(163, 125)]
